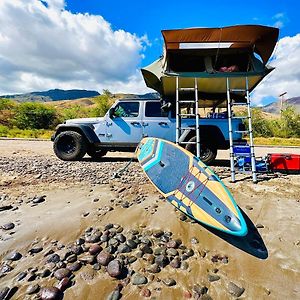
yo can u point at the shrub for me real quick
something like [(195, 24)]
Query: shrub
[(34, 116), (6, 104)]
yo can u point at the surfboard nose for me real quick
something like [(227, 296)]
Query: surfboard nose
[(236, 226)]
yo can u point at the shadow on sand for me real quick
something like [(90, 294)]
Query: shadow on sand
[(108, 159), (252, 243)]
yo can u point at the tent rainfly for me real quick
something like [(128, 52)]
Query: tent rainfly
[(211, 55)]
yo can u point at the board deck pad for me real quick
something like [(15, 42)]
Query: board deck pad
[(190, 185)]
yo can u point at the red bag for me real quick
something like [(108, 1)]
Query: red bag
[(286, 163)]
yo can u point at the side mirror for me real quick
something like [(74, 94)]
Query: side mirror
[(111, 113)]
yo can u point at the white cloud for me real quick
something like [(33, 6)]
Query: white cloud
[(280, 19), (44, 46), (286, 76)]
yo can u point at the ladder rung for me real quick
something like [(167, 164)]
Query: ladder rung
[(241, 117), (238, 90), (185, 143), (242, 131), (184, 128), (187, 89), (193, 115), (238, 103), (187, 101), (241, 146)]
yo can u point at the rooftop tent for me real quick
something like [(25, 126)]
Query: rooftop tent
[(211, 55)]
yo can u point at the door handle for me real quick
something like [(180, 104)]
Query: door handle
[(163, 123), (145, 124), (134, 123)]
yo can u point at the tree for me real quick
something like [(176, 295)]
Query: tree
[(261, 126), (103, 102), (290, 122)]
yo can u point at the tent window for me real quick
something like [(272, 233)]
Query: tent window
[(186, 63), (237, 62)]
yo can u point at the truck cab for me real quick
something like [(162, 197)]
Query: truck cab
[(128, 121)]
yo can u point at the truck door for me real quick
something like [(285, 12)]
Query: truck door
[(157, 123), (125, 127)]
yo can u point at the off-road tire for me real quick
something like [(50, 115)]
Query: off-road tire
[(96, 153), (70, 145), (208, 153)]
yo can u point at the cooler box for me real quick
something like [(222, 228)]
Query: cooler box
[(286, 163)]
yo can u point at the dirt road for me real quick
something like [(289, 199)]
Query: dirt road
[(55, 217)]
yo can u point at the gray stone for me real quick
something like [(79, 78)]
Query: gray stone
[(13, 256), (87, 259), (212, 278), (95, 249), (145, 248), (62, 273), (155, 268), (259, 226), (35, 250), (172, 252), (114, 268), (138, 279), (5, 207), (175, 263), (54, 258), (21, 276), (8, 226), (235, 290), (162, 260), (169, 281), (194, 240), (32, 289), (75, 266), (131, 243), (50, 293), (123, 248), (104, 258), (114, 295), (4, 292)]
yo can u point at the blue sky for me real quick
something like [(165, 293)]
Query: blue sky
[(149, 17), (100, 44)]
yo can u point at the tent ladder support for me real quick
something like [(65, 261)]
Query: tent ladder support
[(195, 113), (230, 104)]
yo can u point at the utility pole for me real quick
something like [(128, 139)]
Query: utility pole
[(281, 101)]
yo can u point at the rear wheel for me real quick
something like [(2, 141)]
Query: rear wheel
[(207, 153), (96, 153), (70, 145)]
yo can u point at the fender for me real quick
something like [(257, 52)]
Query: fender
[(85, 130), (211, 135)]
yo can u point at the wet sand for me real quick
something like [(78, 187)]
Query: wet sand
[(266, 263)]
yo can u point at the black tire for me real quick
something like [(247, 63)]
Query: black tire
[(207, 153), (70, 145), (96, 153)]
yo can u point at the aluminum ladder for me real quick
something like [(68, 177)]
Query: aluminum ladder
[(230, 104), (195, 113)]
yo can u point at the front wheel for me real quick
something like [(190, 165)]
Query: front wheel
[(207, 153), (69, 145)]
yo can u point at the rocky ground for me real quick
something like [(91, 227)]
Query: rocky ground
[(77, 230)]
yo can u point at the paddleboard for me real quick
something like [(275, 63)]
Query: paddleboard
[(190, 185)]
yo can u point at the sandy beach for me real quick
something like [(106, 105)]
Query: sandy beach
[(58, 216)]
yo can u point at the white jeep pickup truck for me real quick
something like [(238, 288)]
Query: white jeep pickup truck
[(128, 121)]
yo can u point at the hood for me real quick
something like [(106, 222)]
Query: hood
[(85, 120)]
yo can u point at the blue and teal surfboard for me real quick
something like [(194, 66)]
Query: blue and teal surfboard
[(190, 185)]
